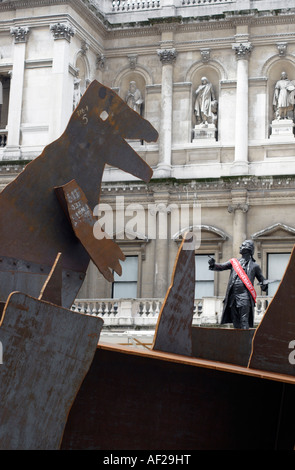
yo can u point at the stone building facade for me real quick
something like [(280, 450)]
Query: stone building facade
[(217, 80)]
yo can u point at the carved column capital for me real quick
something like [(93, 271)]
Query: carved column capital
[(167, 56), (242, 50), (62, 31), (244, 207), (20, 33)]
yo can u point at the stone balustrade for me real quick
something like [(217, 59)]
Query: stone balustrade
[(129, 5), (202, 2), (143, 313), (122, 6)]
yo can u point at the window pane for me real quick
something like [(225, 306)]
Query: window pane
[(125, 290), (129, 270), (202, 268), (204, 285), (125, 286), (204, 289), (277, 263)]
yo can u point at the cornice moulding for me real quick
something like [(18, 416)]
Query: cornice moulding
[(46, 20), (77, 5), (38, 63), (227, 20)]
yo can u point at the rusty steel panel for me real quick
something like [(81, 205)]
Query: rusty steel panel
[(173, 329), (47, 351), (276, 331), (19, 275), (149, 400), (34, 227), (104, 252), (230, 345)]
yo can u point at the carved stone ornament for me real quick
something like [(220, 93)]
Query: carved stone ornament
[(205, 54), (100, 61), (62, 31), (132, 61), (282, 48), (243, 50), (167, 56), (20, 33), (84, 47)]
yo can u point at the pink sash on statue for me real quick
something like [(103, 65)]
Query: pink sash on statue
[(243, 276)]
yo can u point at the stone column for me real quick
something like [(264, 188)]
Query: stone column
[(12, 150), (61, 93), (167, 58), (239, 208), (241, 126), (162, 213)]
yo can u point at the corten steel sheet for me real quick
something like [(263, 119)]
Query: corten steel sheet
[(47, 351), (150, 400), (104, 253), (33, 226), (271, 342), (19, 275), (230, 345), (173, 329)]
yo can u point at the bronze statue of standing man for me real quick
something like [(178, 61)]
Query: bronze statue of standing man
[(240, 296)]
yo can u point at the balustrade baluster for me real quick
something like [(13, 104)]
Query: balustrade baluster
[(111, 310), (94, 310), (3, 139), (144, 310), (99, 311), (158, 307)]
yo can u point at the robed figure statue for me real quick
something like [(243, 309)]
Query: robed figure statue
[(205, 103)]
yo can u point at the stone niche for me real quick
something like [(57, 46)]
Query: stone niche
[(205, 105), (282, 101), (132, 91)]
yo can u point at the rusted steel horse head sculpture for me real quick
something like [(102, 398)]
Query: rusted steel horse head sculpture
[(37, 221)]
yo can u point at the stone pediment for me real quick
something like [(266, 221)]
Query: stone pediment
[(212, 233), (208, 233), (274, 232), (210, 238)]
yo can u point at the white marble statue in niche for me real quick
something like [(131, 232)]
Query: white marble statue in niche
[(284, 97), (77, 92), (205, 103), (134, 98), (282, 126), (205, 110)]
